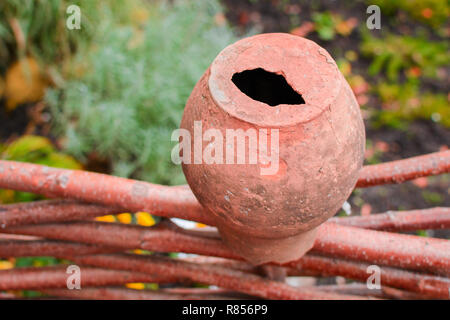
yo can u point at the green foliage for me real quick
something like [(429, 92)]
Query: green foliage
[(431, 12), (433, 198), (422, 233), (43, 25), (375, 157), (324, 25), (33, 149), (403, 103), (127, 106), (394, 53), (36, 262)]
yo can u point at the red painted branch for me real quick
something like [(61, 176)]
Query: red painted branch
[(56, 277), (102, 189), (428, 285), (175, 202), (432, 286), (128, 294), (403, 170), (207, 292), (213, 275), (50, 211), (64, 250), (58, 249), (127, 237), (384, 248), (377, 247), (433, 218), (360, 289), (225, 263)]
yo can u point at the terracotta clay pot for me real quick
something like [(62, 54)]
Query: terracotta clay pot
[(284, 83)]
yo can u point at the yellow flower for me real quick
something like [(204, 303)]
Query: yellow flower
[(4, 265), (124, 218), (145, 219), (108, 218), (136, 286), (200, 225), (37, 263)]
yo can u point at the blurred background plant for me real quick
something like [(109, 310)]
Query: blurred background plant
[(394, 54), (431, 12), (131, 94), (38, 28), (33, 149)]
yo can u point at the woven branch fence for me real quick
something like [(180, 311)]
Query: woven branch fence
[(412, 267)]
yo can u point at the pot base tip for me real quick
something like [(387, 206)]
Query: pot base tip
[(258, 250)]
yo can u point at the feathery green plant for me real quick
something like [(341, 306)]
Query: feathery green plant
[(127, 104)]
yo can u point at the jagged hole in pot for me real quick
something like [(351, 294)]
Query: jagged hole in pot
[(267, 87)]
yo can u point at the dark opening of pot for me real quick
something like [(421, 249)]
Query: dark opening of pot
[(267, 87)]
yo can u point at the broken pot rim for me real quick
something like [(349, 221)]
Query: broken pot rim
[(306, 66)]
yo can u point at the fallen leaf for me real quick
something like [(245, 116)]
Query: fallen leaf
[(366, 209), (414, 72), (421, 182), (243, 18), (427, 13), (220, 19), (27, 147), (303, 30), (2, 87), (362, 99), (358, 84), (351, 55), (346, 68), (382, 146), (139, 15), (24, 82), (346, 27)]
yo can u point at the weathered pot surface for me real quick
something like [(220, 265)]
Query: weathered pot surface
[(288, 86)]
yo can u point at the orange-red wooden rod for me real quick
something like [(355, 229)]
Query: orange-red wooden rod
[(112, 293), (50, 211), (102, 189), (56, 277), (175, 202), (46, 211), (427, 285), (403, 170), (214, 275), (424, 284), (377, 247), (432, 218)]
